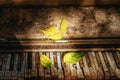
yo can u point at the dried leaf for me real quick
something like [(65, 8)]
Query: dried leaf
[(45, 61), (63, 26), (73, 57), (52, 33)]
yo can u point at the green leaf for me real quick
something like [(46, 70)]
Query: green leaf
[(45, 61), (73, 57), (63, 26)]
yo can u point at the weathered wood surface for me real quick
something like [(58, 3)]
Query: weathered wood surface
[(82, 22), (59, 2)]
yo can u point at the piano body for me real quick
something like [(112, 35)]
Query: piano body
[(90, 28)]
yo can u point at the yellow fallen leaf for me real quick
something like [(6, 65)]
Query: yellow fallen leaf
[(57, 36), (45, 61), (63, 26), (50, 30), (52, 33), (73, 57)]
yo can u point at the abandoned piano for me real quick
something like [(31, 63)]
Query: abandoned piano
[(92, 29)]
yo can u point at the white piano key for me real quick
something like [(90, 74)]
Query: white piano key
[(34, 70), (93, 65), (3, 66), (47, 71), (41, 69), (79, 71), (99, 70), (73, 72), (118, 55), (54, 73), (113, 64), (59, 61), (86, 69), (60, 71), (106, 71)]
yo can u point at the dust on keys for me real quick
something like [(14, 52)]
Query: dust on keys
[(95, 65)]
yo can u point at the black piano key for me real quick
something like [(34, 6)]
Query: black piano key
[(14, 71), (26, 68), (34, 70), (12, 62), (1, 64), (105, 59), (19, 61), (1, 61), (88, 60), (22, 72), (29, 60), (37, 64), (29, 64)]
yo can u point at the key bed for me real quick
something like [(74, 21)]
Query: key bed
[(95, 65)]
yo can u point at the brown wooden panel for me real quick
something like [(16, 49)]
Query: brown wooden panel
[(60, 2)]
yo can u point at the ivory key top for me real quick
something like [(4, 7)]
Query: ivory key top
[(105, 69)]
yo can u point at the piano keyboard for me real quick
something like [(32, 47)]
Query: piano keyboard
[(95, 65)]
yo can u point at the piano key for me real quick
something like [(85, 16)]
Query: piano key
[(113, 64), (117, 59), (106, 71), (40, 67), (86, 69), (4, 65), (14, 71), (73, 72), (98, 59), (118, 54), (99, 70), (111, 70), (1, 64), (67, 71), (59, 61), (34, 69), (98, 74), (47, 71), (80, 75), (60, 71), (7, 71), (1, 59), (29, 63), (54, 73), (55, 60), (22, 72), (88, 60), (105, 59), (12, 62), (19, 62), (29, 60), (81, 63), (26, 65), (92, 68)]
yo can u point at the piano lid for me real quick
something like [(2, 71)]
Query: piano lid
[(82, 22)]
